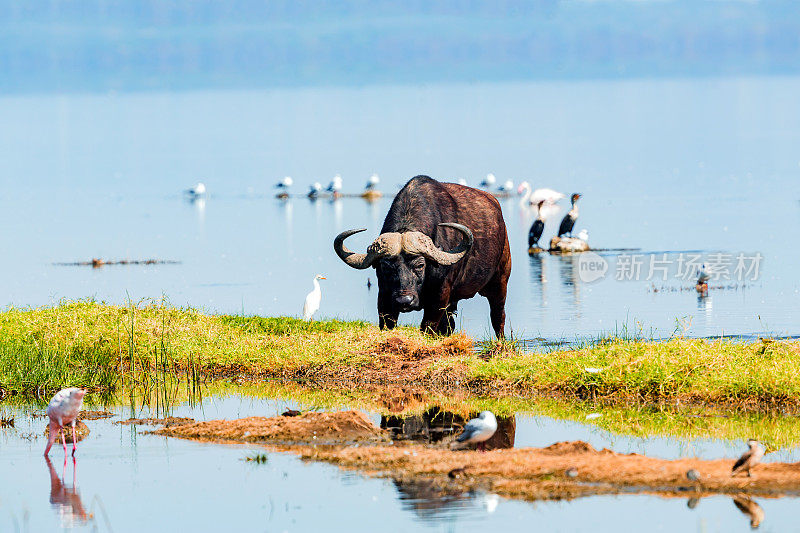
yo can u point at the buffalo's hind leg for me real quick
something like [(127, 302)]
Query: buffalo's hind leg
[(495, 292)]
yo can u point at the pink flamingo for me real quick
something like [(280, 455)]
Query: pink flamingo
[(63, 409)]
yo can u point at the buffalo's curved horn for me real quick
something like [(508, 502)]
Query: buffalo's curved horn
[(387, 244), (423, 245)]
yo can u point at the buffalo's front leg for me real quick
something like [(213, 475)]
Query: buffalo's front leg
[(387, 317), (436, 318)]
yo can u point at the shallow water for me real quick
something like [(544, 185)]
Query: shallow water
[(179, 484), (666, 166)]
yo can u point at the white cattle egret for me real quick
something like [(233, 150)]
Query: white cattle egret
[(749, 459), (533, 197), (197, 190), (313, 299), (489, 180), (63, 409), (479, 430), (372, 182)]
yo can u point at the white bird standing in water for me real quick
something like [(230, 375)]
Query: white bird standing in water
[(335, 185), (63, 409), (372, 182), (313, 299), (285, 183), (479, 430), (197, 191), (533, 197), (507, 187), (489, 180)]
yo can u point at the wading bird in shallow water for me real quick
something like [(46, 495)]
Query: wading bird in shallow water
[(488, 181), (197, 191), (507, 187), (568, 222), (63, 409), (702, 280), (313, 299), (479, 430), (749, 459), (537, 228), (533, 197)]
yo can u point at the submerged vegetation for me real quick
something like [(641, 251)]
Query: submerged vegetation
[(109, 348)]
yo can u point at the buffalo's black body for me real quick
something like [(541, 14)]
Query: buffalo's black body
[(409, 282)]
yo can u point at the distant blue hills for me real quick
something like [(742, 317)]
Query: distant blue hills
[(101, 45)]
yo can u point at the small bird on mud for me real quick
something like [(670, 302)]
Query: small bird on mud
[(479, 430), (291, 412), (314, 189), (63, 409), (335, 186), (749, 459), (692, 475), (372, 182), (313, 299), (750, 508)]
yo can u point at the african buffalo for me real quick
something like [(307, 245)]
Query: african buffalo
[(413, 269)]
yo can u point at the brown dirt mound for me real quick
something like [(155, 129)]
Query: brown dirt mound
[(81, 432), (345, 426), (409, 350), (566, 447), (95, 415), (169, 421), (539, 473)]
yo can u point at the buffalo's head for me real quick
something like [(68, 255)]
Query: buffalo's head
[(400, 260)]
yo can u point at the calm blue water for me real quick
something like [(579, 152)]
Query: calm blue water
[(129, 481), (703, 165)]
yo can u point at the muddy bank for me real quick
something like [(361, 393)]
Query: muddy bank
[(318, 428), (562, 470)]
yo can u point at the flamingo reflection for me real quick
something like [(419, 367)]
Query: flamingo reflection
[(65, 500)]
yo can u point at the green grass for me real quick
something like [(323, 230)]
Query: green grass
[(108, 348)]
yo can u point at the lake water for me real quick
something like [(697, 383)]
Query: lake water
[(692, 166), (129, 481)]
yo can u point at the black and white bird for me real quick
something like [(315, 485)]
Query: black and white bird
[(479, 430), (537, 228), (314, 190), (335, 186), (285, 183), (568, 222), (749, 459), (197, 191), (507, 187), (488, 181)]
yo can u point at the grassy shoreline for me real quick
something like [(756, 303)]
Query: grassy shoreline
[(99, 346)]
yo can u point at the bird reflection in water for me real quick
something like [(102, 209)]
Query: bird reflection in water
[(568, 272), (749, 507), (539, 275), (65, 500), (438, 426)]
